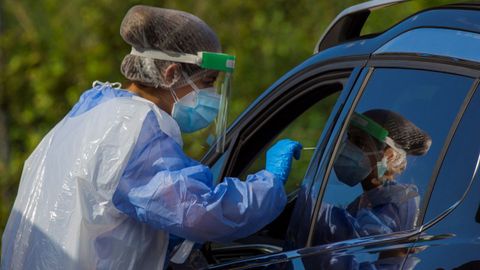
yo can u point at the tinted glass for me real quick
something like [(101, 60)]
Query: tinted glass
[(459, 164), (388, 152), (453, 242)]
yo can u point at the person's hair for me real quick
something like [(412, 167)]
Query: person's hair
[(145, 27), (396, 165)]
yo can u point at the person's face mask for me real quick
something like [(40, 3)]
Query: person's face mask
[(196, 110), (352, 165)]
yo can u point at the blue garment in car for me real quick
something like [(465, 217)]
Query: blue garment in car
[(385, 209)]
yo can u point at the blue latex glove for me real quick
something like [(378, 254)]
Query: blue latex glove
[(279, 158)]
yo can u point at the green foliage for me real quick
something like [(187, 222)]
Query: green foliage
[(53, 51)]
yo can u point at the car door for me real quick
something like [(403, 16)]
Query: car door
[(450, 239), (431, 98), (299, 108), (423, 92), (423, 95)]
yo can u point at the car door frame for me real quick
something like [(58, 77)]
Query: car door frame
[(408, 238), (269, 100), (431, 63), (449, 227), (346, 68)]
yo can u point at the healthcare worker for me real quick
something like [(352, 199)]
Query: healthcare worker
[(372, 154), (109, 183)]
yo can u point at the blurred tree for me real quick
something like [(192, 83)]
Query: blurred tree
[(51, 51)]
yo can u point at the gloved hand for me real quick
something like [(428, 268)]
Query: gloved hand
[(279, 158)]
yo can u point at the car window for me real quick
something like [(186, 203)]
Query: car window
[(452, 233), (460, 163), (387, 152), (297, 111), (305, 129)]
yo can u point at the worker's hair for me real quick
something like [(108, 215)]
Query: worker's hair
[(153, 28)]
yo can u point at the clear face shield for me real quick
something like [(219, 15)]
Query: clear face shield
[(222, 65), (362, 151)]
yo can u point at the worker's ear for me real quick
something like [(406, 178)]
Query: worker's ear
[(172, 74)]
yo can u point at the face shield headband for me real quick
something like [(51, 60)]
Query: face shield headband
[(373, 129), (223, 63)]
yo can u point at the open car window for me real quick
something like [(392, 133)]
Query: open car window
[(298, 112), (306, 129), (366, 195)]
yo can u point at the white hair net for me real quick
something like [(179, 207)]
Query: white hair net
[(153, 28)]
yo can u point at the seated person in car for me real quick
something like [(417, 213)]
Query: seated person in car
[(373, 153)]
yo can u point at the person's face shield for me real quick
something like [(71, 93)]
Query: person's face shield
[(361, 152), (216, 76)]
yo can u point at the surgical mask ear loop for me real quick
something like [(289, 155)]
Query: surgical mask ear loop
[(175, 97), (190, 82)]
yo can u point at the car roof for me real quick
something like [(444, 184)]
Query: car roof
[(463, 16), (349, 23)]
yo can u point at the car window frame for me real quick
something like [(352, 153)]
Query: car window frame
[(437, 64), (270, 99), (398, 61), (292, 95), (453, 226), (309, 179), (468, 182)]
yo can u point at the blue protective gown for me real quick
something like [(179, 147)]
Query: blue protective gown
[(389, 208), (110, 182)]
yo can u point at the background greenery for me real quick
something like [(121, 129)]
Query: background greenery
[(52, 51)]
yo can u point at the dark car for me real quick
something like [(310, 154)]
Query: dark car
[(427, 69)]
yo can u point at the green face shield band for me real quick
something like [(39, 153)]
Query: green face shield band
[(373, 129)]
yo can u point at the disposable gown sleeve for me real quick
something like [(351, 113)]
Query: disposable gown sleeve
[(164, 188)]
